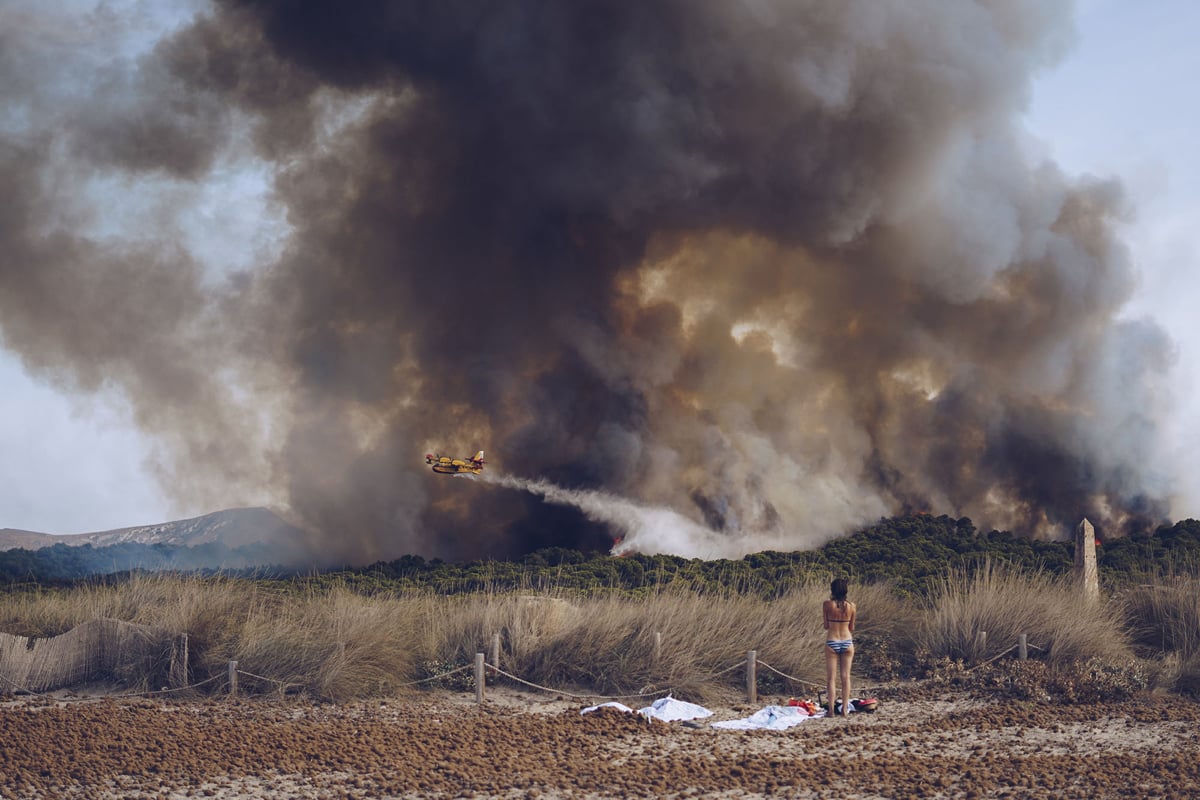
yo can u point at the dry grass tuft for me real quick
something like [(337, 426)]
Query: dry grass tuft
[(1164, 614), (1004, 603)]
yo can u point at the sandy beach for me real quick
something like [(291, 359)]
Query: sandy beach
[(518, 745)]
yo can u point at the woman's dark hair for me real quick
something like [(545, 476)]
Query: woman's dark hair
[(838, 589)]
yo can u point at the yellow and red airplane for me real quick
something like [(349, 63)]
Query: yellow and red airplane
[(456, 466)]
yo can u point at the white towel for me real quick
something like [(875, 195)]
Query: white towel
[(771, 718), (668, 709)]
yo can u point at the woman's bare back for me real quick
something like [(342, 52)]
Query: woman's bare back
[(839, 619)]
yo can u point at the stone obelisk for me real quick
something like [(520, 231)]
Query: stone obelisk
[(1086, 576)]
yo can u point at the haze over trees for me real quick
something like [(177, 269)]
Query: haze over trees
[(911, 553)]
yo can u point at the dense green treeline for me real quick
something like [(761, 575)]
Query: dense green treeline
[(912, 552)]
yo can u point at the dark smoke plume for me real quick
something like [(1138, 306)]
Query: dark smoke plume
[(769, 269)]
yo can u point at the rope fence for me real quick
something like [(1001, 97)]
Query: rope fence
[(791, 678), (749, 665), (481, 667), (21, 690), (980, 646), (564, 693), (751, 661)]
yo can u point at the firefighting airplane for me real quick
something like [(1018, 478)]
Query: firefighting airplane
[(456, 466)]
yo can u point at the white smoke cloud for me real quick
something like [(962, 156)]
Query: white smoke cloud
[(638, 528)]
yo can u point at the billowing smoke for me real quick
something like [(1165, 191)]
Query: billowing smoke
[(636, 527), (774, 269)]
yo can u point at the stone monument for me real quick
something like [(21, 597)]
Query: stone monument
[(1086, 576)]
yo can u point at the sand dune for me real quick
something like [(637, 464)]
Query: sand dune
[(521, 745)]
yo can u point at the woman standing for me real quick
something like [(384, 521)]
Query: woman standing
[(839, 616)]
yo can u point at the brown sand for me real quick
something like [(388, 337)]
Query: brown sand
[(520, 745)]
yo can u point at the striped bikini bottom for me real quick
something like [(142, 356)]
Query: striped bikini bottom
[(839, 646)]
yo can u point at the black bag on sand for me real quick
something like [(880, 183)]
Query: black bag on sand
[(867, 705)]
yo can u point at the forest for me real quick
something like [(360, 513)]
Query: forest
[(911, 553)]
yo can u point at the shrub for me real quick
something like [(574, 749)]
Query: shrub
[(1098, 680), (1093, 681), (1061, 625)]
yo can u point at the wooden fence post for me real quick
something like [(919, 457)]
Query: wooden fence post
[(752, 676), (479, 678), (657, 647), (496, 654), (1023, 646), (179, 662), (233, 679)]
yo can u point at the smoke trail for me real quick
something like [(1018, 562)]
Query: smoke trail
[(635, 527), (779, 268)]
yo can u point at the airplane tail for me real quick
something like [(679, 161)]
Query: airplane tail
[(478, 459)]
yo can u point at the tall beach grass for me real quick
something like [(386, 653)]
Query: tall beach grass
[(1003, 603), (338, 644), (1164, 615)]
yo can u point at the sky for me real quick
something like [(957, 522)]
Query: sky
[(1118, 104), (1121, 104)]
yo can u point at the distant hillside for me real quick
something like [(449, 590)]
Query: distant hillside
[(232, 528)]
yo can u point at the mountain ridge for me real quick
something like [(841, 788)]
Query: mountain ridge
[(231, 527)]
